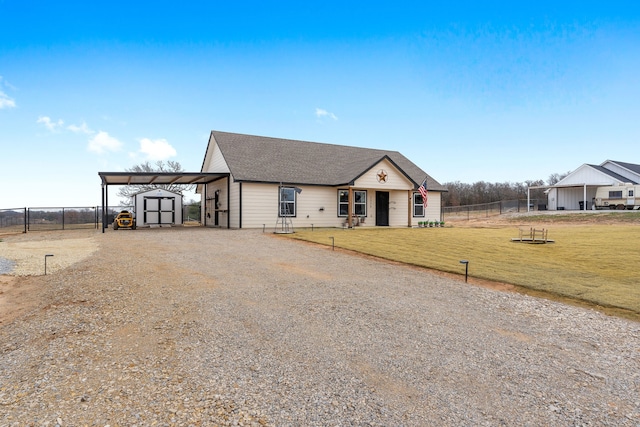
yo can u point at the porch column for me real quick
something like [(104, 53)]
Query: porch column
[(410, 210), (350, 208), (584, 197)]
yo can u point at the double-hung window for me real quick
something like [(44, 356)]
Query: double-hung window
[(343, 202), (418, 206), (287, 201), (359, 203)]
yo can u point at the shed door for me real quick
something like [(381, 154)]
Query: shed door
[(159, 210), (168, 211), (151, 210)]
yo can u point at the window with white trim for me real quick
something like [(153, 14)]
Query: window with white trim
[(418, 206), (287, 201)]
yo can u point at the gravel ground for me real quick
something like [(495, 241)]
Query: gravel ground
[(6, 265), (199, 327)]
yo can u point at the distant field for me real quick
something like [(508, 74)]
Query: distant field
[(591, 262)]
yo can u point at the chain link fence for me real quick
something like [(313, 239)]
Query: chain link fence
[(485, 210), (23, 220), (13, 220)]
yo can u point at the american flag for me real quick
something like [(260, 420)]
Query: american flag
[(423, 192)]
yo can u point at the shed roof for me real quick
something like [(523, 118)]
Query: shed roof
[(276, 160), (158, 178)]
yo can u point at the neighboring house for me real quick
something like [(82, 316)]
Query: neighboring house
[(157, 207), (580, 185), (313, 184)]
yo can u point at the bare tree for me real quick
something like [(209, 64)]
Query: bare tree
[(554, 178), (460, 194), (127, 191)]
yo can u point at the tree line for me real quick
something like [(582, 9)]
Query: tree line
[(461, 194)]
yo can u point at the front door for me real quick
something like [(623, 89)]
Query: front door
[(382, 208)]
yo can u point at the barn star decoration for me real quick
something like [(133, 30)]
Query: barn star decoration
[(382, 176)]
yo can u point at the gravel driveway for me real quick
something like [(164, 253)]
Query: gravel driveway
[(200, 327)]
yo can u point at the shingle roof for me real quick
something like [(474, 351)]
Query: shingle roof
[(631, 166), (275, 160), (611, 173)]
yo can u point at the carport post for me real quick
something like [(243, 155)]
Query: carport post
[(105, 201)]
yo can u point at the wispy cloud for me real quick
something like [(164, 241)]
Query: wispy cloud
[(5, 100), (103, 142), (158, 149), (83, 128), (50, 124), (321, 113)]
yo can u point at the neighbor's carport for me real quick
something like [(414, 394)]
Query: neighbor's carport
[(583, 186), (155, 178)]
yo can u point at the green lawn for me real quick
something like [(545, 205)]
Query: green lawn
[(599, 264)]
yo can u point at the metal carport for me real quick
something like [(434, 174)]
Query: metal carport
[(155, 178)]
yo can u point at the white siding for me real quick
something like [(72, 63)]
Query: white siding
[(552, 199), (317, 206), (398, 208), (158, 198), (394, 179), (570, 198), (434, 207), (587, 174), (223, 201), (630, 175), (234, 205), (214, 161)]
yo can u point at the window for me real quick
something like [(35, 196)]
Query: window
[(359, 203), (630, 193), (287, 201), (615, 194), (418, 206), (343, 202)]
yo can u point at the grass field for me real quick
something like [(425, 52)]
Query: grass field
[(593, 263)]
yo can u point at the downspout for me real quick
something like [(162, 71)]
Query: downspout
[(239, 206), (228, 202)]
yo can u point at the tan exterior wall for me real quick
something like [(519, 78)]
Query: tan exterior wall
[(394, 180), (314, 205)]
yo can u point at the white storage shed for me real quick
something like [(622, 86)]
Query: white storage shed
[(157, 207)]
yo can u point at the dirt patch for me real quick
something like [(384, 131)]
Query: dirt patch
[(19, 287), (17, 295)]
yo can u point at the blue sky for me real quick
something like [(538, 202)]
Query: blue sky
[(470, 91)]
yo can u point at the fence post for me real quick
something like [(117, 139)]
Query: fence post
[(26, 219), (63, 218)]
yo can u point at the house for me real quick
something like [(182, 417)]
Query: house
[(157, 207), (571, 192), (263, 180)]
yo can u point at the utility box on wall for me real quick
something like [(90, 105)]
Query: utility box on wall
[(157, 207)]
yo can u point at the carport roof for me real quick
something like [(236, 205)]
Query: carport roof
[(159, 178)]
